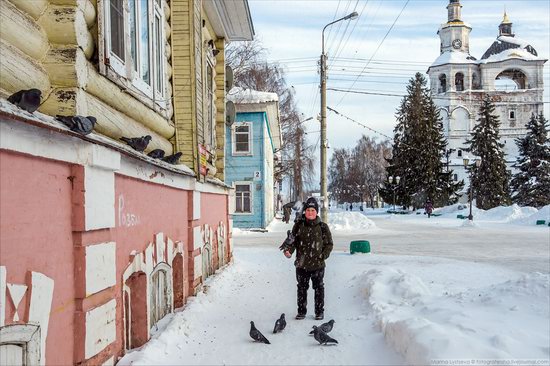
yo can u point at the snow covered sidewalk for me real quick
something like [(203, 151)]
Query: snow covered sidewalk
[(388, 310)]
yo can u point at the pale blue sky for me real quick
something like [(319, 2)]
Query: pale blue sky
[(291, 31)]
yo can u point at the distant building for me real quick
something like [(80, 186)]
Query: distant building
[(251, 147), (510, 71)]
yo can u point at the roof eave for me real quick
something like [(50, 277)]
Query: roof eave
[(230, 19)]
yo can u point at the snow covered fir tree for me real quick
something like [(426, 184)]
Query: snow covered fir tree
[(531, 183), (490, 178), (417, 152)]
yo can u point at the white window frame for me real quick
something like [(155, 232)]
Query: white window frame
[(249, 184), (209, 103), (26, 336), (234, 141), (125, 70)]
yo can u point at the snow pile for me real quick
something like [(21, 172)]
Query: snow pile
[(542, 214), (248, 96), (504, 213), (339, 221), (452, 209), (507, 320)]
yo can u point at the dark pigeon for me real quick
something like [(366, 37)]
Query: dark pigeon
[(172, 159), (156, 154), (79, 124), (322, 337), (137, 143), (326, 327), (280, 324), (28, 100), (256, 335)]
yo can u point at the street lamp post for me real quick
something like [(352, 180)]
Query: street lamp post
[(397, 179), (324, 213), (466, 161)]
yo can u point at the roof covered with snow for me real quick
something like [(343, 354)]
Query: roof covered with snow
[(248, 96), (454, 57), (506, 47)]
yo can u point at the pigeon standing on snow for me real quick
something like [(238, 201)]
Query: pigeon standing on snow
[(79, 124), (256, 335), (156, 154), (322, 337), (28, 100), (280, 324), (173, 159), (326, 327), (137, 143)]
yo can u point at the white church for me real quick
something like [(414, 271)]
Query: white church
[(510, 72)]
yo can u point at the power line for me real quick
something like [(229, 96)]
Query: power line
[(379, 45)]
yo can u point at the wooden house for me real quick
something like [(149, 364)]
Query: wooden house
[(253, 142)]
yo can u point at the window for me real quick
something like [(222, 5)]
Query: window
[(242, 198), (134, 43), (442, 83), (512, 114), (242, 144), (161, 296), (459, 81), (455, 177), (209, 104), (459, 153)]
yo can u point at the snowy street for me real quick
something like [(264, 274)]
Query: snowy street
[(404, 303)]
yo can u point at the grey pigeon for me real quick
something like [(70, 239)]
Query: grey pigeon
[(280, 324), (79, 124), (172, 159), (156, 154), (326, 327), (28, 100), (137, 143), (322, 337), (256, 335)]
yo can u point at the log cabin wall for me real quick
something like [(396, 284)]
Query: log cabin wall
[(63, 55)]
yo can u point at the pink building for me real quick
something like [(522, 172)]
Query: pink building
[(97, 244)]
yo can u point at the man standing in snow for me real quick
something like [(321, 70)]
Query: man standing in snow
[(313, 244)]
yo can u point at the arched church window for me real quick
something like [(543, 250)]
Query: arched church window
[(511, 79), (475, 81), (459, 81), (442, 83)]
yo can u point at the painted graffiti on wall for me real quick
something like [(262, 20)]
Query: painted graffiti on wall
[(126, 219)]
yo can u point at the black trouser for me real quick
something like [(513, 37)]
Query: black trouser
[(316, 276)]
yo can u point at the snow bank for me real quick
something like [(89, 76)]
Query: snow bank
[(507, 320), (505, 213), (340, 221), (542, 214)]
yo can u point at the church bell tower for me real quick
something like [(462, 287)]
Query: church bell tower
[(455, 34)]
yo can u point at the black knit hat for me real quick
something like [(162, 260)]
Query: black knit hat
[(312, 203)]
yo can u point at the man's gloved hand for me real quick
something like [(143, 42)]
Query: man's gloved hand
[(287, 244)]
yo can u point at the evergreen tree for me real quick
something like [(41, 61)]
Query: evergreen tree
[(490, 181), (531, 184), (417, 152)]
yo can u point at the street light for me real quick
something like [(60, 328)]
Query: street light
[(466, 161), (324, 214), (397, 179)]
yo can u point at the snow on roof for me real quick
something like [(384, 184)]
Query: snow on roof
[(454, 57), (248, 96)]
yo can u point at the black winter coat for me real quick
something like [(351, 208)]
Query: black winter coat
[(313, 244)]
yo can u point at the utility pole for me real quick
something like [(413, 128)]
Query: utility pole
[(324, 193)]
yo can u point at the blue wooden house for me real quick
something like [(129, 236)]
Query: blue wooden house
[(252, 142)]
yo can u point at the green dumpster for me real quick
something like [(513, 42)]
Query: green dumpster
[(359, 246), (541, 222)]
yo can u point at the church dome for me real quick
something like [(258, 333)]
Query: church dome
[(506, 47)]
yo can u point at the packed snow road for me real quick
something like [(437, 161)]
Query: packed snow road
[(404, 303)]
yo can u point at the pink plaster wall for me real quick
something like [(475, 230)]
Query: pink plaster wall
[(36, 235)]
